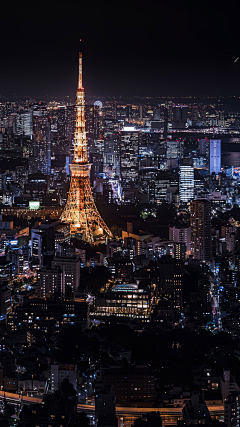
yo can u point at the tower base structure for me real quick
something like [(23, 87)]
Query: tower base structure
[(80, 210)]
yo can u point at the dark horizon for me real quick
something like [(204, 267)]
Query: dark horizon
[(158, 49)]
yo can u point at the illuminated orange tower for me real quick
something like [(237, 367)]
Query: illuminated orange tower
[(80, 210)]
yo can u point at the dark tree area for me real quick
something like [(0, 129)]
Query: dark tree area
[(69, 294), (17, 222), (6, 417), (90, 249), (166, 213), (159, 224), (92, 280), (72, 343), (83, 420), (174, 354)]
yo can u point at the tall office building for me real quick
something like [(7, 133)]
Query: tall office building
[(179, 116), (171, 276), (200, 223), (71, 271), (129, 156), (203, 146), (61, 125), (180, 113), (50, 283), (215, 156), (186, 181), (24, 124)]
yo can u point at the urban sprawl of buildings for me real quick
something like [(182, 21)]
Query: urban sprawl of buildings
[(146, 318)]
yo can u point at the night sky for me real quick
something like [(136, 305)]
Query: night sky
[(131, 48)]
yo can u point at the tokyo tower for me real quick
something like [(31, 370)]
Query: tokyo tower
[(80, 210)]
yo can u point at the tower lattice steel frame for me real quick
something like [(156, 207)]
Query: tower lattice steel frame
[(80, 210)]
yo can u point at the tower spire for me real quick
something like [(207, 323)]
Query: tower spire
[(80, 67), (80, 210), (80, 139)]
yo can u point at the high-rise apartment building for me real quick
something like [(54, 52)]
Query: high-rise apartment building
[(71, 271), (215, 156), (175, 149), (200, 223), (42, 144), (186, 181), (92, 122), (111, 153)]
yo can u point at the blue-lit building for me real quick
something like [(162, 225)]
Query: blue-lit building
[(215, 156)]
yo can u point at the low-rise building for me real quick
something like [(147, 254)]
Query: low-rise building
[(60, 373), (33, 384), (48, 315), (125, 300)]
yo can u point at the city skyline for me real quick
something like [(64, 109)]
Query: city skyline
[(119, 214)]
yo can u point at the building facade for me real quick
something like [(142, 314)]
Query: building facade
[(215, 156), (200, 223)]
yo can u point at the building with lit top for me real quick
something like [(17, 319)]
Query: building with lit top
[(186, 181), (124, 300)]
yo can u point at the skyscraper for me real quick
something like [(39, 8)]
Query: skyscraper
[(80, 210), (186, 181), (92, 122), (215, 156), (129, 156), (200, 223)]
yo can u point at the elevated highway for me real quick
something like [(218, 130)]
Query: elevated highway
[(125, 414)]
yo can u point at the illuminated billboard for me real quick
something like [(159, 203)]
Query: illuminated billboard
[(34, 205)]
